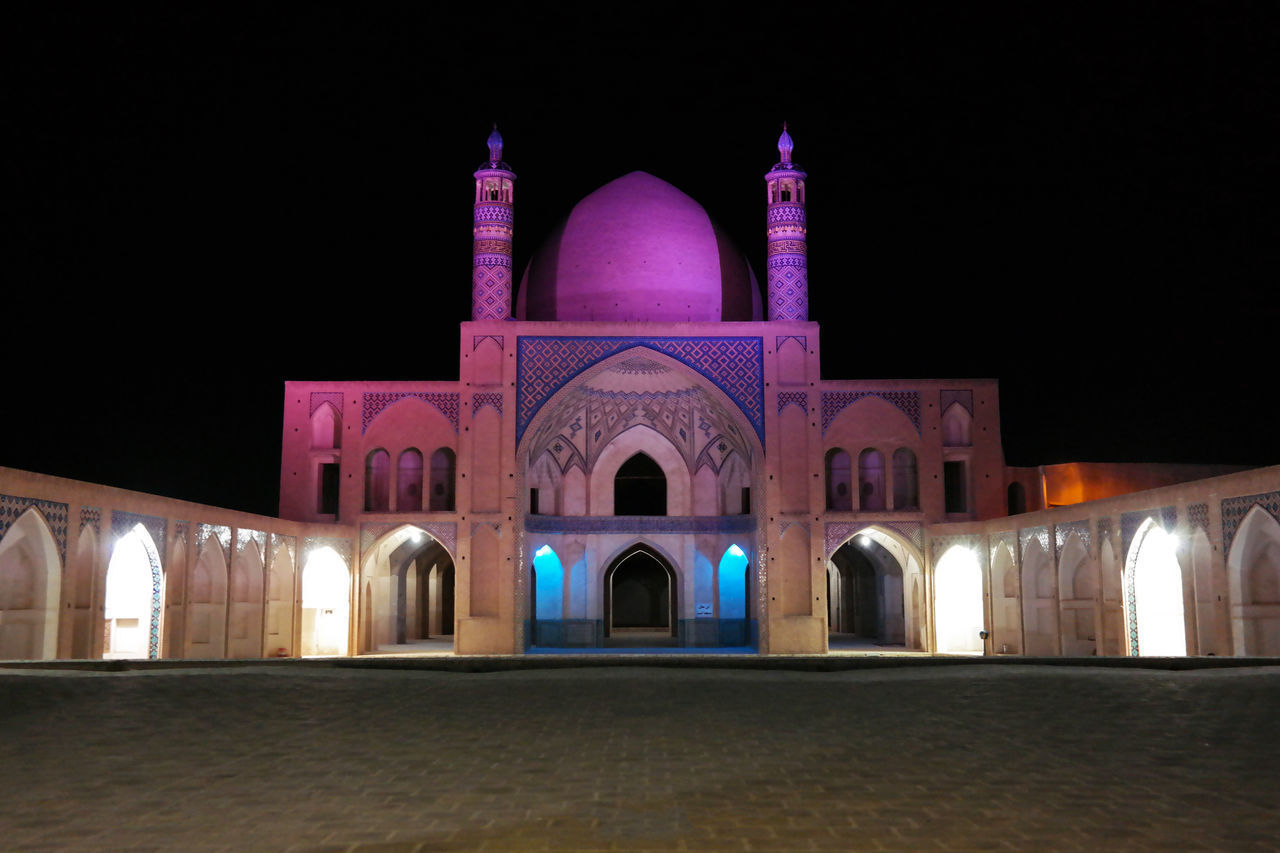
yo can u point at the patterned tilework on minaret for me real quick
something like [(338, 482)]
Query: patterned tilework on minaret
[(788, 251), (491, 282)]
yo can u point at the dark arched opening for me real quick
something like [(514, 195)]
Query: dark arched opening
[(640, 603), (424, 590), (1017, 499), (640, 487)]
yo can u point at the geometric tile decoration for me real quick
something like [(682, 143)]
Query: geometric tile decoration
[(375, 402), (784, 526), (121, 524), (55, 515), (1235, 509), (1062, 531), (836, 533), (476, 340), (492, 400), (1104, 531), (1007, 539), (964, 398), (575, 429), (244, 537), (779, 340), (444, 532), (1040, 534), (941, 544), (91, 516), (314, 543), (639, 524), (1198, 516), (544, 365), (220, 532), (290, 543), (793, 398), (1166, 516), (834, 402), (319, 398)]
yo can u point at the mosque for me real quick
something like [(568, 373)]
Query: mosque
[(640, 451)]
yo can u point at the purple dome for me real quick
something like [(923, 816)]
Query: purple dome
[(638, 250)]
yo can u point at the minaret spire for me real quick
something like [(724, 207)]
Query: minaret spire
[(493, 217), (788, 248)]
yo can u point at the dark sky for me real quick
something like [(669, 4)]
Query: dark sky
[(201, 204)]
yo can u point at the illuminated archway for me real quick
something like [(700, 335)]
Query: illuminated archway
[(958, 602), (867, 576), (326, 596), (732, 588), (640, 598), (131, 614), (1153, 605), (30, 589)]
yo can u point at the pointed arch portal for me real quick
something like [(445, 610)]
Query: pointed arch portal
[(640, 599), (131, 614)]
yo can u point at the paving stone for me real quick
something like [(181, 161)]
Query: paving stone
[(383, 761)]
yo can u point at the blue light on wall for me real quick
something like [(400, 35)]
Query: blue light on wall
[(550, 583), (733, 584), (703, 589)]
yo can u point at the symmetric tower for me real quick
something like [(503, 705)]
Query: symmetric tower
[(491, 280), (788, 252)]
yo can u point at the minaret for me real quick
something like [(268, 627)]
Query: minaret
[(788, 251), (491, 284)]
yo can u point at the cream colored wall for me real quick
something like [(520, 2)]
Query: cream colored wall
[(1217, 618), (83, 579)]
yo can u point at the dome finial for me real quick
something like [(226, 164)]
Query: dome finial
[(785, 145), (495, 146)]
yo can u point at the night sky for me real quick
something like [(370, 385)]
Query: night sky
[(202, 204)]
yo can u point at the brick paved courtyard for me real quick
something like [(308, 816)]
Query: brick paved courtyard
[(955, 758)]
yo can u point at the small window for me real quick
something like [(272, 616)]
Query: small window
[(955, 487), (329, 480), (533, 502), (746, 500), (786, 195)]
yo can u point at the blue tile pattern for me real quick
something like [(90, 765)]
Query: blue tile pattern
[(492, 400), (342, 547), (1040, 534), (1235, 509), (1198, 516), (91, 516), (1062, 531), (836, 533), (963, 397), (544, 365), (779, 340), (375, 402), (640, 523), (793, 398), (55, 515), (835, 402), (319, 398), (220, 532)]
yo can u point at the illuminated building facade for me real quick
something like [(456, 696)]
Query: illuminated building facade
[(641, 451)]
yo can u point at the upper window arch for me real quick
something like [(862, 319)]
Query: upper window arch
[(377, 481), (444, 469), (326, 428), (957, 426), (640, 487)]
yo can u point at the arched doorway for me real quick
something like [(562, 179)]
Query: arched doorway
[(131, 614), (958, 603), (865, 602), (409, 578), (30, 589), (326, 596), (1153, 605), (640, 605)]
